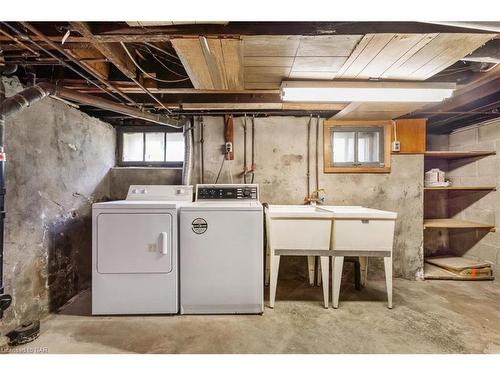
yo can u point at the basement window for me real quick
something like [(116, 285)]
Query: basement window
[(356, 147), (150, 147)]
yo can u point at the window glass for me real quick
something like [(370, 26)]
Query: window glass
[(175, 147), (369, 147), (155, 147), (133, 146), (343, 147)]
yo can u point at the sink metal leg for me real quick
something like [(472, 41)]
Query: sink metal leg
[(325, 275), (267, 275), (274, 265), (310, 268), (337, 264), (388, 279)]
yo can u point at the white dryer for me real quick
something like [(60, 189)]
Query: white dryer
[(221, 251), (135, 251)]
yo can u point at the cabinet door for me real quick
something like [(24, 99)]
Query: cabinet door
[(135, 243)]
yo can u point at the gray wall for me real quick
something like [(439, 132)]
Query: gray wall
[(58, 160), (122, 178), (281, 158), (479, 207)]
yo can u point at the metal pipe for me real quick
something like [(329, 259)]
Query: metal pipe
[(4, 298), (245, 167), (254, 167), (188, 152), (317, 153), (202, 150), (308, 173), (32, 94), (78, 63), (18, 42)]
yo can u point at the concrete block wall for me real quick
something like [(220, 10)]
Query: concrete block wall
[(479, 207), (58, 160)]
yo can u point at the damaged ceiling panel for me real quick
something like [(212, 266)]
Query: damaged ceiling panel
[(212, 63)]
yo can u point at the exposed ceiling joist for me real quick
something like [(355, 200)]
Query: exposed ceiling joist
[(112, 51)]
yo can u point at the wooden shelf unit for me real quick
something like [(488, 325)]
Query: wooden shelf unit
[(431, 271), (457, 154), (460, 188), (456, 224)]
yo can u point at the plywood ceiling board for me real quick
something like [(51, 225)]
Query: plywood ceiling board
[(318, 64), (323, 46), (232, 50), (268, 61), (376, 110), (193, 60), (369, 47), (441, 52), (214, 58), (393, 51), (266, 74), (426, 38), (262, 85), (313, 75), (464, 44), (270, 45)]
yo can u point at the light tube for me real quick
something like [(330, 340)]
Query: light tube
[(365, 92)]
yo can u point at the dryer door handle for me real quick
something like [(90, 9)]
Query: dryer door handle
[(164, 243)]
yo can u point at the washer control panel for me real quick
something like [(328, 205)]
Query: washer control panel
[(227, 192)]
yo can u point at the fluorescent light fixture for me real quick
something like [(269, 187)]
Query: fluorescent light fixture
[(344, 91)]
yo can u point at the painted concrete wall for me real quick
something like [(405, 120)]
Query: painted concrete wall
[(478, 207), (281, 158), (122, 178), (58, 160)]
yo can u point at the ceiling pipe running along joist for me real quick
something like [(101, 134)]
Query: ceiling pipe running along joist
[(35, 93)]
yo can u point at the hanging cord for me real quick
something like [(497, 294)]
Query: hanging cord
[(220, 169), (146, 73), (245, 168), (254, 167)]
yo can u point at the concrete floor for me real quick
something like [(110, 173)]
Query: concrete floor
[(428, 317)]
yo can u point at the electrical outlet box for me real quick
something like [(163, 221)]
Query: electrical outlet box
[(396, 146), (228, 147)]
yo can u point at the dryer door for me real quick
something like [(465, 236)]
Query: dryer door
[(135, 243)]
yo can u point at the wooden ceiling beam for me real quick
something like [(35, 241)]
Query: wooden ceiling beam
[(112, 51), (108, 30)]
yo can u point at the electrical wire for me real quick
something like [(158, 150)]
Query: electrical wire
[(220, 169), (165, 66), (63, 62), (146, 73), (161, 50), (142, 47)]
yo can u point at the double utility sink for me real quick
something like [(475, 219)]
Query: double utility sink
[(325, 231)]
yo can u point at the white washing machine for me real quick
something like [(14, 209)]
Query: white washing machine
[(135, 251), (221, 251)]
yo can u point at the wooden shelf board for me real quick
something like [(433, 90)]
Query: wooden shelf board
[(460, 188), (432, 272), (457, 154), (455, 223)]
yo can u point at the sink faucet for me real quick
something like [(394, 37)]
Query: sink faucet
[(317, 196)]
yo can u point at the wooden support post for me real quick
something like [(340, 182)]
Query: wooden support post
[(229, 135)]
